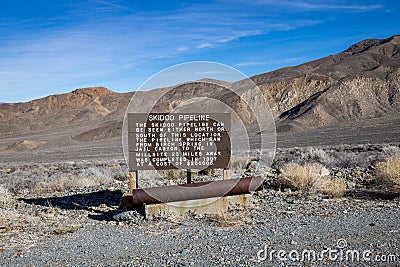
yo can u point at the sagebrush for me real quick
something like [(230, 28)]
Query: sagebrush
[(311, 177), (388, 172)]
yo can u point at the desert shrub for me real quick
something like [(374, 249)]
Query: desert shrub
[(121, 176), (302, 155), (173, 174), (302, 177), (311, 177), (66, 183), (81, 179), (40, 178), (7, 216), (391, 151), (344, 156), (317, 155), (207, 172), (239, 163), (388, 172), (4, 194), (332, 187), (351, 159)]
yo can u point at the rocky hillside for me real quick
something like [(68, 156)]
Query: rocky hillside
[(361, 82)]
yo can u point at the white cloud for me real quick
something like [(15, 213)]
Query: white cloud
[(204, 45), (113, 5), (320, 5), (182, 48), (210, 72), (250, 63)]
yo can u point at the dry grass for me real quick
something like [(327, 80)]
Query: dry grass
[(174, 174), (342, 156), (6, 219), (388, 172), (53, 177), (177, 174), (310, 177), (302, 177), (207, 172), (69, 183), (331, 187)]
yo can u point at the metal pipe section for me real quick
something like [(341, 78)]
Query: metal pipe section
[(201, 190)]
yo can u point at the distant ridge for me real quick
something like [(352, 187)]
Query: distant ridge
[(86, 107)]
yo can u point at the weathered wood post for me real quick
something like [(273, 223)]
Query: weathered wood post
[(133, 181), (189, 176), (227, 174)]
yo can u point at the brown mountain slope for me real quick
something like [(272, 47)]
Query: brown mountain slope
[(77, 108), (361, 82)]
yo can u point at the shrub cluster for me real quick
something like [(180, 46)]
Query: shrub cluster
[(311, 177), (47, 178), (388, 172)]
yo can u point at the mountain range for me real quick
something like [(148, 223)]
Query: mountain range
[(359, 84)]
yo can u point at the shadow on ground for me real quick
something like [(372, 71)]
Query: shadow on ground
[(373, 194), (85, 201)]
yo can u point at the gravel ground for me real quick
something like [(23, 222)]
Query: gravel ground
[(83, 227), (279, 221)]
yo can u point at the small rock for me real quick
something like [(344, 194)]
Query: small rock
[(351, 184), (253, 166), (131, 215), (185, 252), (288, 190)]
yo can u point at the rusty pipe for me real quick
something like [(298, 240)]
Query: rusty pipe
[(201, 190)]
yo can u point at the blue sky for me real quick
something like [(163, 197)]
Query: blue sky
[(55, 46)]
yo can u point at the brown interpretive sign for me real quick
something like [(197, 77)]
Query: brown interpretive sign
[(164, 141)]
